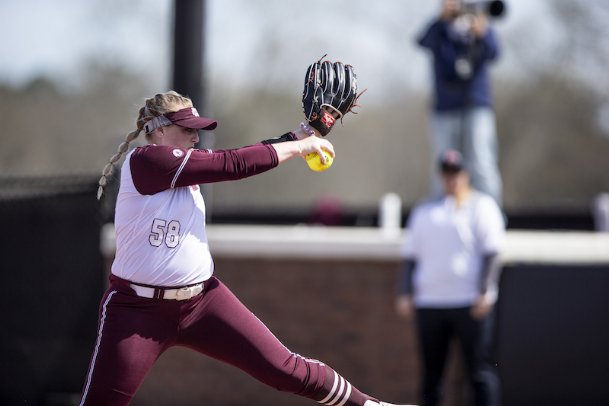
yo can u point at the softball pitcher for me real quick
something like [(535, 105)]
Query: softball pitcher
[(162, 290)]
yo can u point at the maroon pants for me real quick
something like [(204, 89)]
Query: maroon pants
[(133, 332)]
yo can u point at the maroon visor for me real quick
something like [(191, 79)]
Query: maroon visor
[(189, 118)]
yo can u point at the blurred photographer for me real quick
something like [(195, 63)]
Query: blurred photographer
[(462, 42)]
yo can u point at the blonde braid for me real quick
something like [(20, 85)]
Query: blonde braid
[(109, 168), (159, 104)]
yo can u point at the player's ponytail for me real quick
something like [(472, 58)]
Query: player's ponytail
[(109, 168)]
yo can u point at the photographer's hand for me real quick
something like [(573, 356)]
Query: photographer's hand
[(479, 25)]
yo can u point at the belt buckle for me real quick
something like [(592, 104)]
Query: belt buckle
[(184, 293), (188, 292)]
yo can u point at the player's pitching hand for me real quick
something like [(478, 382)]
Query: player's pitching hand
[(317, 145)]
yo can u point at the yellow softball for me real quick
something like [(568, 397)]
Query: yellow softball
[(314, 161)]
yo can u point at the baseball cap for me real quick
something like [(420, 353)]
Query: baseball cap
[(187, 117), (451, 161)]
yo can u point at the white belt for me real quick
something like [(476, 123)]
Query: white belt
[(171, 294)]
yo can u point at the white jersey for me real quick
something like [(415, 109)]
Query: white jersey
[(448, 244), (160, 238)]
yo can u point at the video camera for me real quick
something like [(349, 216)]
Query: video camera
[(492, 8)]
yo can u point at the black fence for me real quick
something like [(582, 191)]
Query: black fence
[(52, 274), (538, 219), (553, 330)]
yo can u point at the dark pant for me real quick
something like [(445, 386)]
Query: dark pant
[(437, 327), (133, 332)]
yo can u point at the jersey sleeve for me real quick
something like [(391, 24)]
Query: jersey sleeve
[(155, 168), (408, 248), (490, 226)]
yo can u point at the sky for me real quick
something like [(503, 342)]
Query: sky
[(247, 42), (57, 38)]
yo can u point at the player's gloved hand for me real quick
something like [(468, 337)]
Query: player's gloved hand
[(330, 92)]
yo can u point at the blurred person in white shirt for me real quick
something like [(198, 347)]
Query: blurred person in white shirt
[(449, 280)]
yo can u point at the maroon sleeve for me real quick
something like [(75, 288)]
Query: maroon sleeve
[(155, 168)]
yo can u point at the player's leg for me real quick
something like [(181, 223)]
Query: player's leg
[(220, 326), (131, 336), (435, 333)]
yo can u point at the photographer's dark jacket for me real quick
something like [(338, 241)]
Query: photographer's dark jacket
[(460, 64)]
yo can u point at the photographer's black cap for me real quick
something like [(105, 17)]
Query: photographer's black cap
[(451, 161)]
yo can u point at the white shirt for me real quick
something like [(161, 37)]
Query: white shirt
[(448, 244), (160, 238)]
